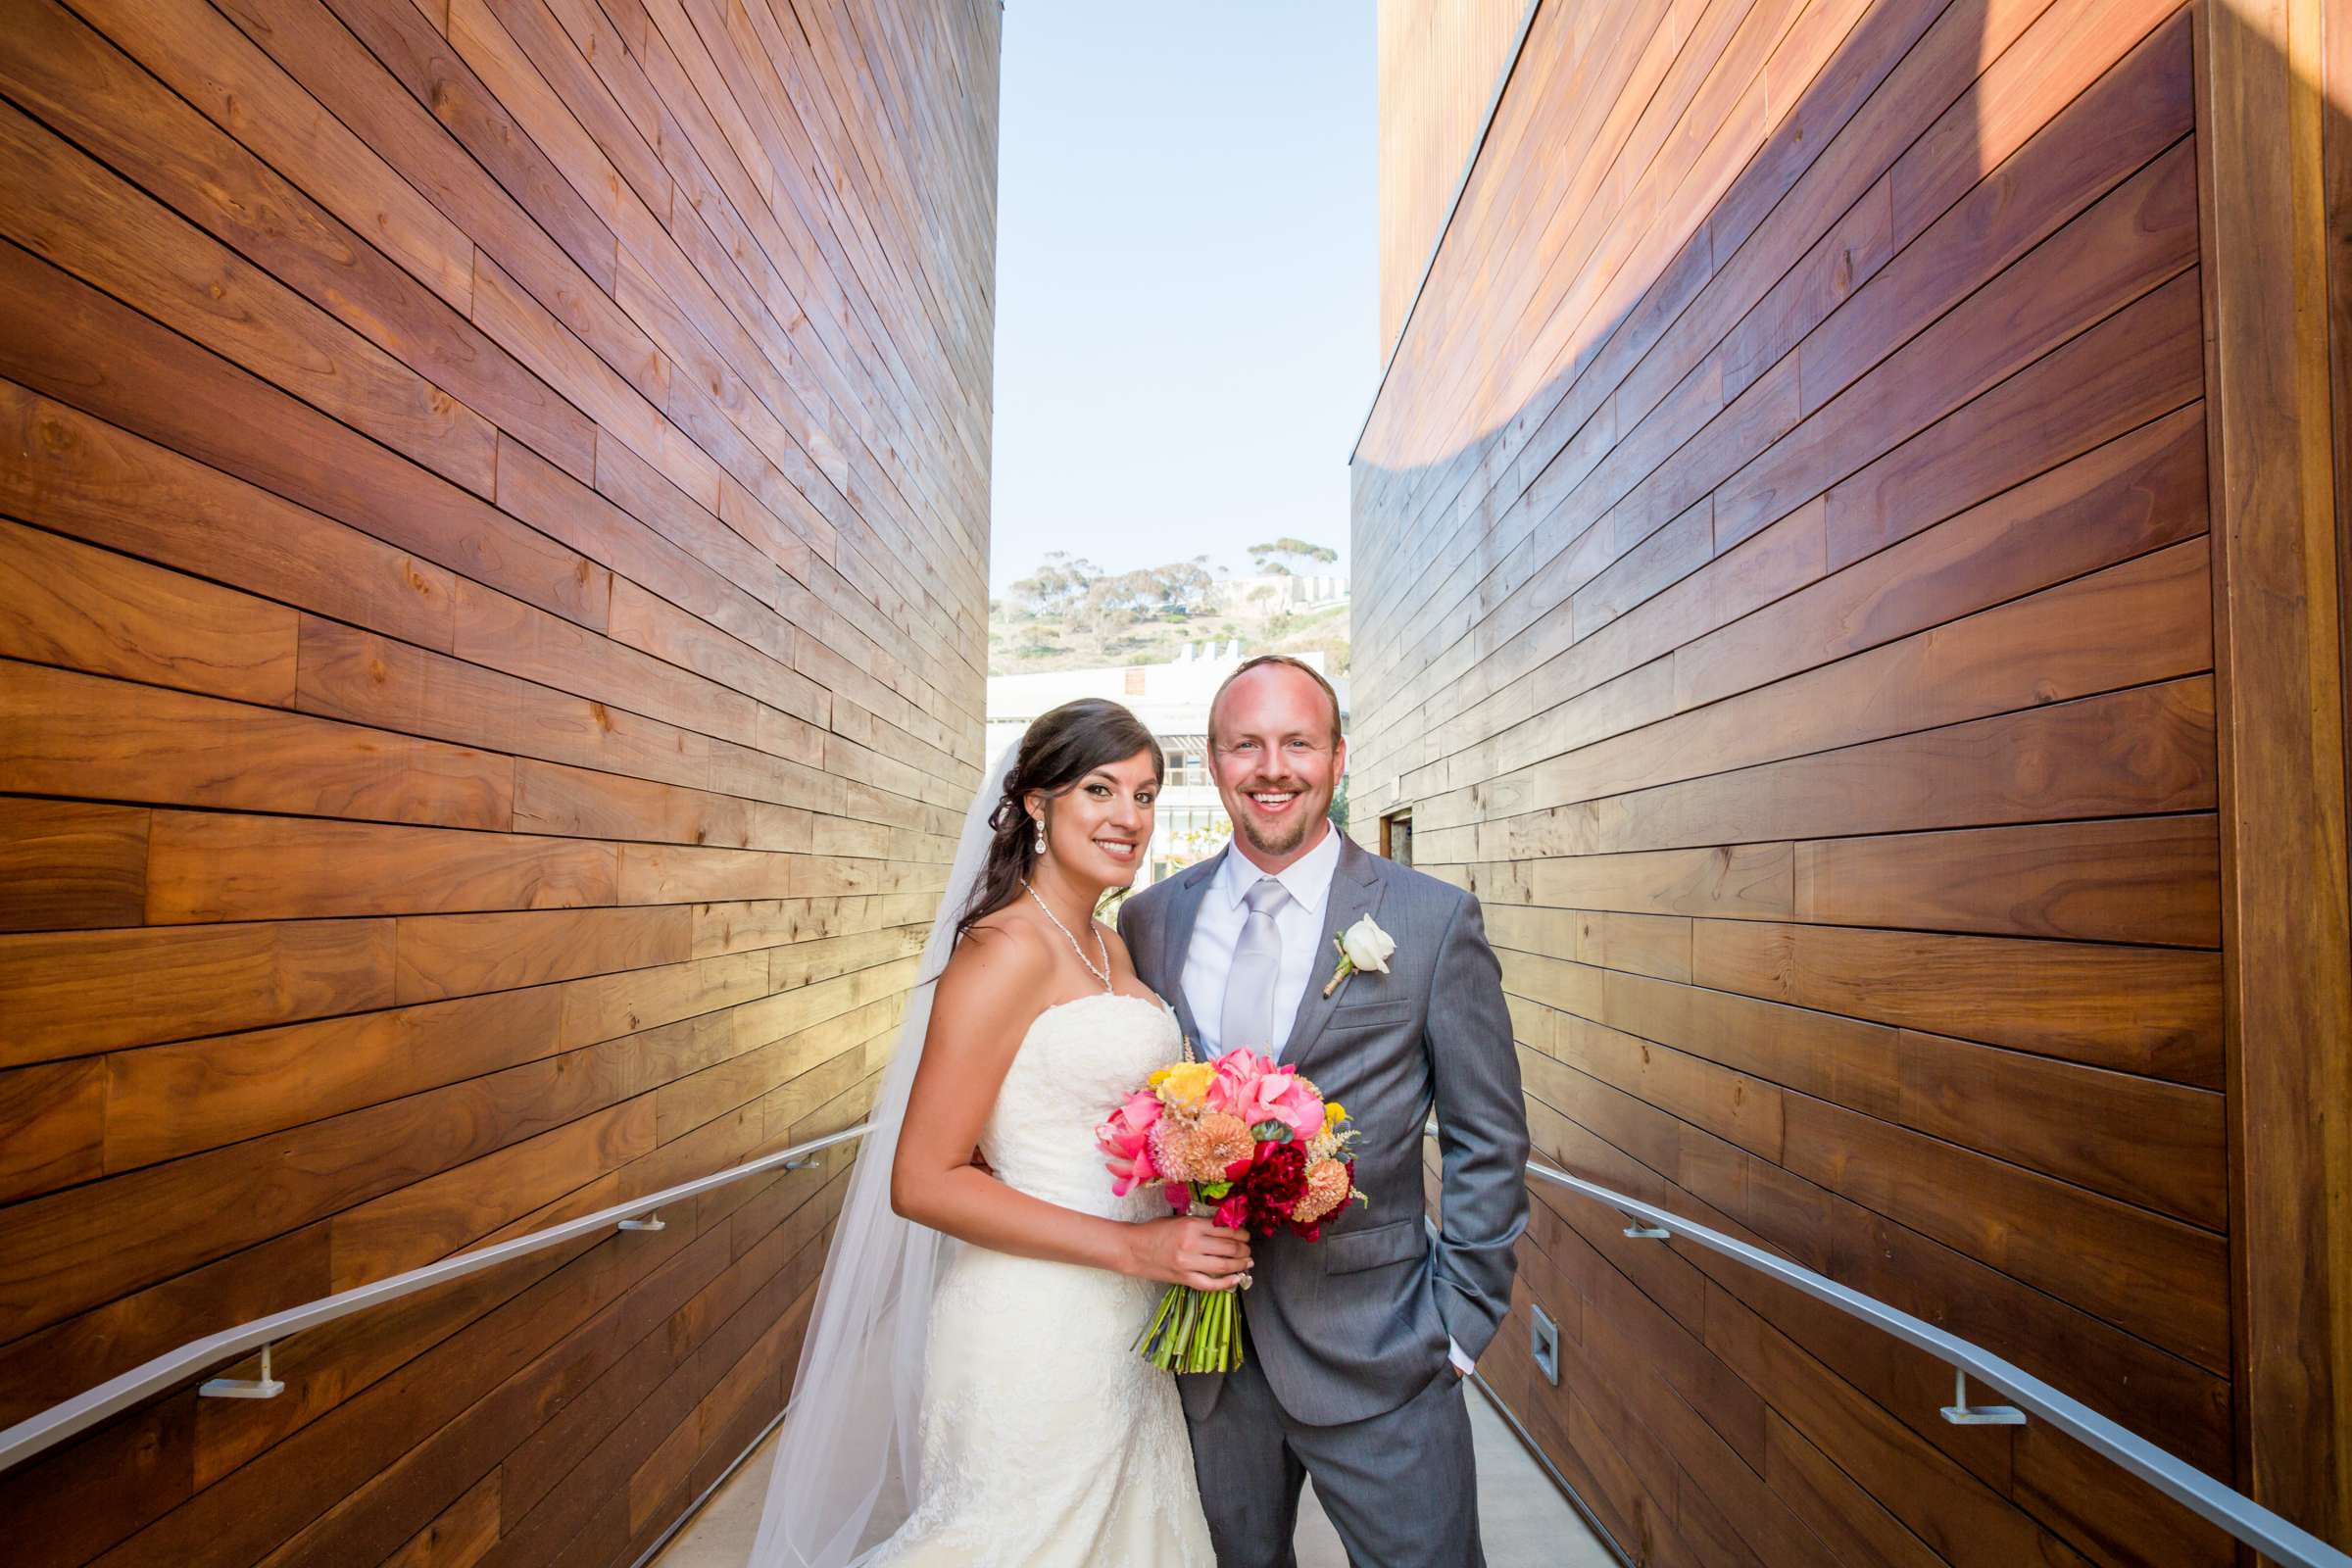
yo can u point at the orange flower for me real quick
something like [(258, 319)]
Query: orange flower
[(1327, 1185), (1225, 1143)]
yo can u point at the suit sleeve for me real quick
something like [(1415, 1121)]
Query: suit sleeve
[(1482, 1134)]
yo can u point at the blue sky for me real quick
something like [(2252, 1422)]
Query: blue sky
[(1186, 277)]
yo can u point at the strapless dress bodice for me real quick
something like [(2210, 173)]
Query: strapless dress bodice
[(1078, 1061)]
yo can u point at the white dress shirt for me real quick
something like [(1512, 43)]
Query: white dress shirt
[(1217, 931)]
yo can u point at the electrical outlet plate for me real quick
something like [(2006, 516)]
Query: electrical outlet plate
[(1543, 1338)]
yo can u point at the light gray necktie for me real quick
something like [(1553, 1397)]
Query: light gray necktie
[(1249, 1018)]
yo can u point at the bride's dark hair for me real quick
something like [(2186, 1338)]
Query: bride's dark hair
[(1058, 750)]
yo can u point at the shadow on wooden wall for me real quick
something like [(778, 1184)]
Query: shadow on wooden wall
[(1787, 598)]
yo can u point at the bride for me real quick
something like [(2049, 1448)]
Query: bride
[(967, 1394)]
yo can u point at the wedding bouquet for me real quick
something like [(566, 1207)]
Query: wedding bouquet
[(1240, 1140)]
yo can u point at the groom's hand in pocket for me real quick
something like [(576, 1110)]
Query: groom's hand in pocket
[(1185, 1250)]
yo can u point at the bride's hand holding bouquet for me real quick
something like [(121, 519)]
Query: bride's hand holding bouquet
[(1190, 1253)]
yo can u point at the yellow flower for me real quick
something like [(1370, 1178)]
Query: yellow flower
[(1184, 1084), (1333, 1113)]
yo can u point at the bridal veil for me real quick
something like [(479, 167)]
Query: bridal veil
[(847, 1462)]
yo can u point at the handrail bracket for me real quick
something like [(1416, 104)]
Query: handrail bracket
[(264, 1387), (1961, 1413), (652, 1219)]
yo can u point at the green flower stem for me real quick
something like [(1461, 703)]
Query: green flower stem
[(1148, 1342), (1192, 1331)]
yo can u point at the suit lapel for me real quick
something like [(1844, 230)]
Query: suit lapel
[(1176, 934), (1355, 889)]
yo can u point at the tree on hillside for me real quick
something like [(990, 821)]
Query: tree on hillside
[(1187, 585), (1150, 592), (1060, 582), (1285, 557), (1071, 588)]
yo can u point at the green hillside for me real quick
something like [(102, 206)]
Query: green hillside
[(1071, 614), (1021, 644)]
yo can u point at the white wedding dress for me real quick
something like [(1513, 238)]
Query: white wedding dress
[(1047, 1441)]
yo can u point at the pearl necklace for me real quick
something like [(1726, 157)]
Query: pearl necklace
[(1103, 974)]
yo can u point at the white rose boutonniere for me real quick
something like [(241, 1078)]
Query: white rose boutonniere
[(1362, 946)]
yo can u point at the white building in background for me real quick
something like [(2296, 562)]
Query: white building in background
[(1172, 700)]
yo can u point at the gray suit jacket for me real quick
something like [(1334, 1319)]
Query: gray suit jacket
[(1354, 1325)]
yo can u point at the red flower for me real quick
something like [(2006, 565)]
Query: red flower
[(1274, 1186)]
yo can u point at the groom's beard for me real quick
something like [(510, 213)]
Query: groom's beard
[(1280, 838)]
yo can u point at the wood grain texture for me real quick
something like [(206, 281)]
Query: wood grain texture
[(68, 604), (66, 863), (493, 528), (1439, 66), (72, 994), (215, 866), (66, 730), (2278, 594), (1784, 596)]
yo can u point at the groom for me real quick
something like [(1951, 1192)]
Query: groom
[(1356, 1344)]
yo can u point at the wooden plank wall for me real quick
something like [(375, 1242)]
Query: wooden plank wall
[(1439, 63), (493, 520), (1785, 596), (2274, 89)]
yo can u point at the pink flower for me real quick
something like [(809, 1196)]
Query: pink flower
[(1127, 1139), (1234, 1212), (1237, 1073), (1257, 1090), (1299, 1108)]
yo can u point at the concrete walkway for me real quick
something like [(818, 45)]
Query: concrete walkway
[(1525, 1520)]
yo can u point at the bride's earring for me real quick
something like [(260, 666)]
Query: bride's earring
[(1041, 835)]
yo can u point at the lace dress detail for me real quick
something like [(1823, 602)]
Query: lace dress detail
[(1048, 1442)]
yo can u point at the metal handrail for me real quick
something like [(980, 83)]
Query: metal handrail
[(2248, 1521), (2276, 1538), (58, 1422)]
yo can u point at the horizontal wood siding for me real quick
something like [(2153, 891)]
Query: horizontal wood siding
[(1440, 60), (493, 529), (1784, 597)]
